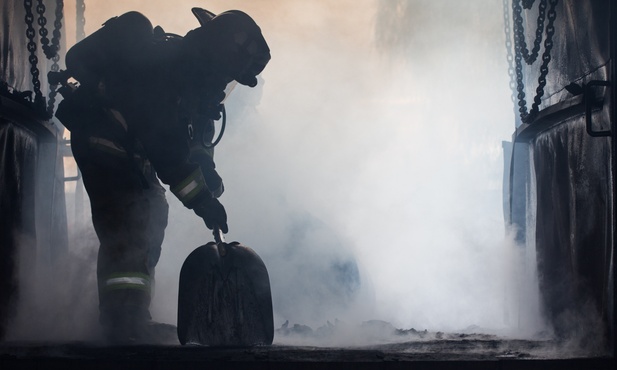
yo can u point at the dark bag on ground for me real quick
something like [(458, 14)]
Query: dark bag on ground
[(224, 297)]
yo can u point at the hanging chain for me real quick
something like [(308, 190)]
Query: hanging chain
[(81, 20), (546, 56), (510, 56), (39, 101), (55, 42), (42, 21), (518, 21), (519, 47), (527, 4), (51, 51)]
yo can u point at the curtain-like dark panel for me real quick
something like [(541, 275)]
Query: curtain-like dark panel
[(574, 222), (18, 154), (573, 218)]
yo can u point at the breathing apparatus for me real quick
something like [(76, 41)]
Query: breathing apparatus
[(233, 43), (230, 47)]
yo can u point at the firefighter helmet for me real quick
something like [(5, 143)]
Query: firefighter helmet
[(231, 43)]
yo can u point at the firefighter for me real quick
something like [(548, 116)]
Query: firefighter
[(144, 111)]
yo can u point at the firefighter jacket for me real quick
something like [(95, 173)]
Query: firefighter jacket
[(156, 99)]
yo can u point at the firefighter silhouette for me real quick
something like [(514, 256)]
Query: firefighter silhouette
[(143, 110)]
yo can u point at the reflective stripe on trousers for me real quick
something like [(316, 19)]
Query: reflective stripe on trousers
[(118, 281)]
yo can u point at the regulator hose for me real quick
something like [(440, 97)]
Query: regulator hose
[(223, 124)]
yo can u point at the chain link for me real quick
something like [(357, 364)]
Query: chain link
[(42, 21), (55, 67), (518, 21), (55, 40), (519, 47), (527, 4), (81, 20), (510, 56), (546, 56), (33, 58), (51, 51)]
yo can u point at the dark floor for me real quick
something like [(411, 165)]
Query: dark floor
[(464, 353)]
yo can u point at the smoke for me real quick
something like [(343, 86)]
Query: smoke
[(376, 147), (58, 300), (366, 169)]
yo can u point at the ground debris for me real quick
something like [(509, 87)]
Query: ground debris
[(369, 332)]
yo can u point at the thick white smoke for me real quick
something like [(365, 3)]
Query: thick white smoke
[(367, 168), (383, 147)]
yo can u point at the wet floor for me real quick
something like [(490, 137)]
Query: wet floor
[(464, 352)]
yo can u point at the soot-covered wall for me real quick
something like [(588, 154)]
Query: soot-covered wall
[(571, 212), (33, 217), (18, 152)]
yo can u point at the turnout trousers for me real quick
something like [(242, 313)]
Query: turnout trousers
[(129, 215)]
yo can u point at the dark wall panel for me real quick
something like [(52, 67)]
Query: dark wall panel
[(18, 153), (33, 216), (574, 222)]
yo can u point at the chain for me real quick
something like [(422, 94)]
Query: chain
[(81, 19), (510, 55), (518, 21), (42, 22), (519, 46), (527, 4), (33, 59), (55, 41), (50, 50), (546, 56)]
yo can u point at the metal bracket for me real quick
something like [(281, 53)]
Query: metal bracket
[(220, 241), (589, 99), (73, 178)]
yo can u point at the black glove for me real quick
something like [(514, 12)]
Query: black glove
[(213, 213)]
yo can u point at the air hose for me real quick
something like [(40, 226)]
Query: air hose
[(223, 124)]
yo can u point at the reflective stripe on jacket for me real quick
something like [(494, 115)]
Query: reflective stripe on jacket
[(187, 189)]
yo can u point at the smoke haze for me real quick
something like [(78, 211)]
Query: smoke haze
[(366, 170)]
